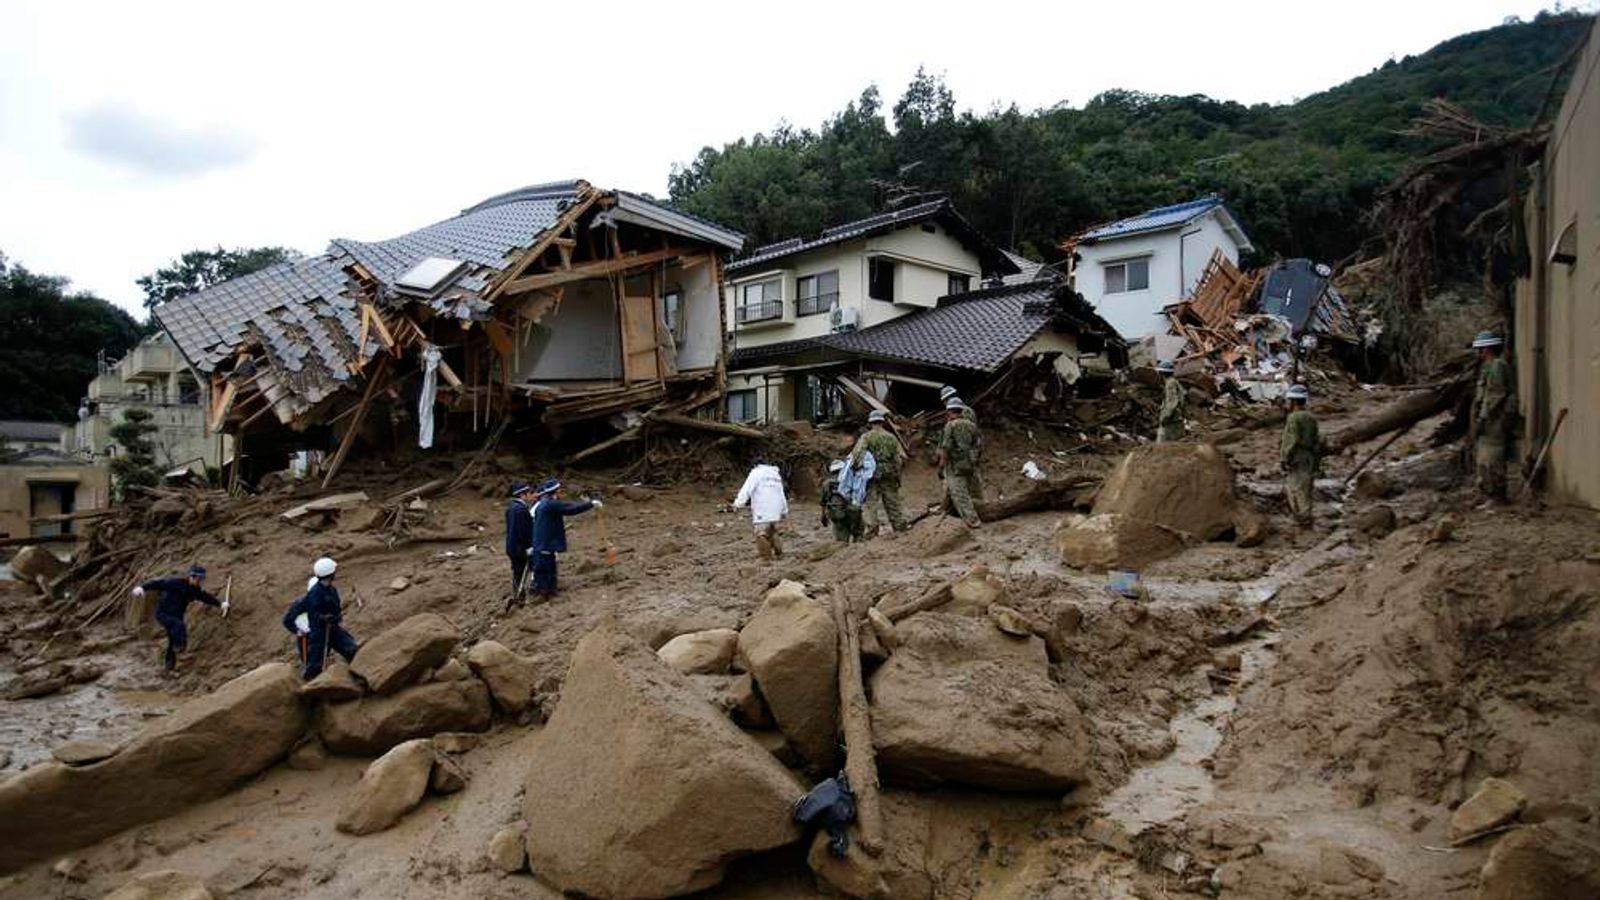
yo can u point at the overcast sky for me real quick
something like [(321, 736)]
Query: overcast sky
[(130, 132)]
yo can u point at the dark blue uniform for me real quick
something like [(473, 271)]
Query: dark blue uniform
[(519, 537), (550, 538), (176, 595), (324, 610)]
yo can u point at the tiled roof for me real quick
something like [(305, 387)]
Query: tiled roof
[(749, 356), (1028, 270), (978, 330), (19, 430), (1164, 217), (993, 259)]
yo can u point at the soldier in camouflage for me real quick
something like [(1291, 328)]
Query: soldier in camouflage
[(1174, 402), (1492, 404), (1301, 454), (883, 491), (959, 449)]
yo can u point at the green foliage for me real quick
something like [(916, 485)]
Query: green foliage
[(1301, 176), (49, 339), (136, 464), (200, 269)]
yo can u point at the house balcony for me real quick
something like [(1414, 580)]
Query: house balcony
[(763, 314), (148, 361)]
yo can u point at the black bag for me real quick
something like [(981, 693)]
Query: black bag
[(831, 806)]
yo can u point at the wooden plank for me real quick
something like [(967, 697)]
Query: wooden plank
[(355, 423), (499, 337), (861, 393), (860, 761), (632, 434), (586, 198), (706, 425), (224, 404), (596, 269), (72, 516)]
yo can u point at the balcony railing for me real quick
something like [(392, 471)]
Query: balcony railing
[(816, 304), (763, 311)]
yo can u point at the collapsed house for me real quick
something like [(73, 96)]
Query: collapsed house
[(561, 302)]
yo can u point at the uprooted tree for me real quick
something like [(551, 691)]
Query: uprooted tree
[(136, 466)]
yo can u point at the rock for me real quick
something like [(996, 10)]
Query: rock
[(507, 852), (961, 702), (1066, 619), (792, 648), (203, 749), (1182, 486), (936, 536), (456, 742), (1443, 529), (636, 492), (361, 518), (778, 744), (1558, 860), (82, 753), (72, 868), (1103, 542), (399, 656), (1372, 484), (34, 562), (677, 793), (398, 584), (1250, 528), (1010, 621), (919, 848), (1375, 521), (309, 755), (452, 670), (1496, 803), (448, 776), (883, 629), (334, 684), (372, 725), (701, 652), (973, 592), (391, 787), (511, 678), (41, 682), (165, 884)]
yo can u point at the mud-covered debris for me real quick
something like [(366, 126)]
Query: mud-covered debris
[(392, 786), (399, 656), (1010, 621), (512, 679), (166, 884), (936, 536), (36, 562), (1558, 860), (792, 648), (374, 724), (1495, 803), (701, 652), (972, 593), (1375, 521)]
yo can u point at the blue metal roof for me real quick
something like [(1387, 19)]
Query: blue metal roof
[(1164, 217)]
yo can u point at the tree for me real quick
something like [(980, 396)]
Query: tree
[(50, 340), (136, 465), (199, 269)]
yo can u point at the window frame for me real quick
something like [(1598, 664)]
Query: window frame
[(1125, 264), (743, 395), (672, 312), (813, 280), (873, 262), (768, 308), (950, 282)]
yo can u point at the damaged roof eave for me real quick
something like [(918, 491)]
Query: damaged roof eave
[(639, 211)]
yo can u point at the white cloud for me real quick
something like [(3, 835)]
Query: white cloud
[(121, 134)]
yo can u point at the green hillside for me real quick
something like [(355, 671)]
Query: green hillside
[(1302, 176)]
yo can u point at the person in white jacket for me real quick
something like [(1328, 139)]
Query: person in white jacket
[(763, 493)]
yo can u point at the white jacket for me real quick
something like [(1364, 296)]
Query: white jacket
[(763, 492)]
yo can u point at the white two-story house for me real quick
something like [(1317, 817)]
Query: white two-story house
[(1129, 270), (784, 297)]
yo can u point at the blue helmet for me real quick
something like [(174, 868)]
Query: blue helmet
[(197, 571), (1488, 339), (550, 486), (518, 488)]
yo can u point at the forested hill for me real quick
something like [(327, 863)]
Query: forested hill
[(1302, 176)]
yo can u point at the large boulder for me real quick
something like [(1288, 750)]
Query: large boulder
[(1112, 541), (1557, 860), (202, 750), (165, 884), (791, 646), (1182, 486), (701, 652), (391, 787), (373, 724), (401, 655), (1495, 803), (334, 684), (511, 678), (959, 701), (638, 787)]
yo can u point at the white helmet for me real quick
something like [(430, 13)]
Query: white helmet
[(836, 466), (323, 567), (1297, 392), (877, 415), (954, 403), (946, 392)]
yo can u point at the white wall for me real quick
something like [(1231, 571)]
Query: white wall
[(1177, 259), (588, 346), (702, 328)]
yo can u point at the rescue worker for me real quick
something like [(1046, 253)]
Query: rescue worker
[(884, 488), (1491, 415), (316, 620), (550, 533), (177, 593), (763, 493), (1300, 452), (838, 512), (959, 448), (947, 393), (1174, 400), (976, 483), (519, 536)]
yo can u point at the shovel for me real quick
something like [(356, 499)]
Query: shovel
[(611, 549)]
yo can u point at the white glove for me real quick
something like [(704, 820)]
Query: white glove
[(597, 504), (224, 607), (138, 591), (302, 623)]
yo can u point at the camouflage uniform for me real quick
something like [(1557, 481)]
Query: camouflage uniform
[(839, 514), (1174, 403), (959, 449), (1491, 416), (885, 484), (1301, 452)]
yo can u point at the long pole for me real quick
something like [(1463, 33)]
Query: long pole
[(1539, 463)]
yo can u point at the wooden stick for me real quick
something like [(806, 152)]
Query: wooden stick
[(1374, 454), (1539, 463), (933, 599), (860, 765), (355, 423)]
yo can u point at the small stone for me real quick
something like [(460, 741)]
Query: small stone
[(1010, 621), (1376, 521), (507, 852), (163, 885), (452, 670), (1230, 661), (701, 652), (308, 756), (71, 868), (457, 742), (1443, 530), (82, 753), (399, 584), (334, 684), (1496, 803), (447, 776)]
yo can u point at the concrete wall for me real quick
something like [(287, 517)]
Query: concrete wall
[(1177, 259), (589, 346), (29, 489), (702, 327), (153, 377), (1557, 326)]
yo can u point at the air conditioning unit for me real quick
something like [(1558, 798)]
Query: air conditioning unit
[(844, 318)]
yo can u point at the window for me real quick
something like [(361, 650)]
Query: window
[(760, 301), (672, 311), (742, 406), (817, 293), (959, 284), (880, 279), (1129, 275)]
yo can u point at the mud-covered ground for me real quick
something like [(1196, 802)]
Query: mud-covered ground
[(1293, 719)]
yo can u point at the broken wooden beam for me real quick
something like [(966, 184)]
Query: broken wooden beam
[(632, 434), (1402, 413), (354, 427), (706, 425), (860, 762), (596, 269), (943, 593), (1060, 493), (72, 516)]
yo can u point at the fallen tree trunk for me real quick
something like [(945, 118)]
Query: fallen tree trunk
[(933, 599), (1402, 413), (860, 763), (1061, 493), (743, 431)]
